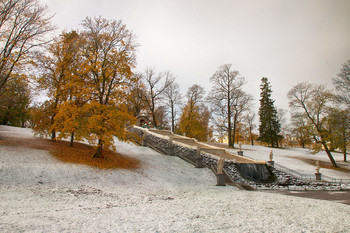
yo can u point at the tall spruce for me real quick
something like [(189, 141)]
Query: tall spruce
[(269, 127)]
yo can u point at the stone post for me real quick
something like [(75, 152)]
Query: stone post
[(220, 173), (240, 152), (144, 142), (171, 150), (199, 158), (318, 174)]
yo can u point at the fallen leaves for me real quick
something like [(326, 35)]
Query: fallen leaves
[(79, 154)]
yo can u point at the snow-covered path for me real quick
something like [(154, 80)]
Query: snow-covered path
[(40, 194)]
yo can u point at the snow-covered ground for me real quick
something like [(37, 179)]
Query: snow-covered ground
[(40, 194), (292, 159)]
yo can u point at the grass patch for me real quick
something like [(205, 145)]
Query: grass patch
[(80, 153)]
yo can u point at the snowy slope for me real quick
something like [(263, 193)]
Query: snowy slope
[(40, 194), (290, 158)]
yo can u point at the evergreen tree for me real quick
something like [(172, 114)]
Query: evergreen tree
[(269, 127)]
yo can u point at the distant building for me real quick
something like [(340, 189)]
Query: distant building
[(143, 121)]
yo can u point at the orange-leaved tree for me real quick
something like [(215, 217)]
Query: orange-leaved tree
[(58, 68), (69, 116), (108, 54), (194, 121)]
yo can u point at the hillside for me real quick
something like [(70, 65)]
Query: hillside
[(164, 194)]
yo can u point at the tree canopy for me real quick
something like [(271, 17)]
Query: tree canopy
[(88, 76)]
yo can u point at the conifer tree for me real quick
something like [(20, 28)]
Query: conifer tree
[(269, 127)]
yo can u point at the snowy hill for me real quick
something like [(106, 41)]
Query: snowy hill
[(41, 194)]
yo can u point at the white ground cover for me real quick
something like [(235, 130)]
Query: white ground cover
[(41, 194), (290, 158)]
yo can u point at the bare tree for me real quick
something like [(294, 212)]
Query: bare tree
[(339, 120), (241, 103), (282, 118), (300, 128), (342, 84), (313, 99), (173, 99), (195, 95), (23, 26), (225, 83), (250, 117), (154, 88)]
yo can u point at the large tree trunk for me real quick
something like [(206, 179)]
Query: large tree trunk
[(230, 144), (234, 131), (344, 152), (98, 153), (154, 119), (251, 136), (53, 135), (334, 164), (71, 140)]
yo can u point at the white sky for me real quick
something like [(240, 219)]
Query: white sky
[(286, 41)]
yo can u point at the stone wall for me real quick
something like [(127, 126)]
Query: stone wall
[(185, 152), (286, 181)]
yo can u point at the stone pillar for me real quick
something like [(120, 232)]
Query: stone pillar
[(199, 158), (220, 177), (318, 176), (220, 180), (171, 150), (240, 152)]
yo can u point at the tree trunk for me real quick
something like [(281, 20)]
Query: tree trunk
[(251, 136), (344, 145), (98, 153), (154, 119), (53, 135), (344, 152), (229, 124), (234, 131), (71, 139), (233, 136), (172, 119), (230, 144), (334, 164)]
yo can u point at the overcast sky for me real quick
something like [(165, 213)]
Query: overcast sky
[(286, 41)]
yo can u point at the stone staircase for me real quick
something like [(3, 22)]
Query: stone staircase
[(217, 151), (238, 170)]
